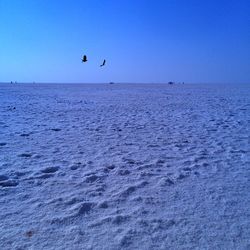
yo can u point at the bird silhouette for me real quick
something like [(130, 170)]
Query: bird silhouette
[(84, 58), (104, 61)]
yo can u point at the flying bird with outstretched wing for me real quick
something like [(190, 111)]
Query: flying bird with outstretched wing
[(104, 61), (84, 58)]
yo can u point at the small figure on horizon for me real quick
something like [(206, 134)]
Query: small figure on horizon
[(84, 58), (104, 61)]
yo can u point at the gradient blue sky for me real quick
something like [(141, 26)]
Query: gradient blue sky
[(142, 40)]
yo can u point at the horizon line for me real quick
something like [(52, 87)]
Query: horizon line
[(34, 82)]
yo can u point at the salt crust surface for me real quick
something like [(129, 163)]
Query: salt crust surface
[(124, 166)]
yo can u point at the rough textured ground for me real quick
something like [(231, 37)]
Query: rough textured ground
[(124, 166)]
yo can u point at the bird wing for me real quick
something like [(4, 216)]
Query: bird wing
[(103, 63)]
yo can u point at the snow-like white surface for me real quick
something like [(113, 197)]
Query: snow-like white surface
[(124, 166)]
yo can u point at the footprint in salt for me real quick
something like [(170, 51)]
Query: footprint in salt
[(24, 135), (86, 208), (50, 170), (3, 177), (5, 182), (25, 155), (56, 129)]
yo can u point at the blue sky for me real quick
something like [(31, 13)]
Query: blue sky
[(141, 40)]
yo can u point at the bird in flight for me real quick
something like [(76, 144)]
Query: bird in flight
[(104, 61), (84, 58)]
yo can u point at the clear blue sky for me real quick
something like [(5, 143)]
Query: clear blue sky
[(141, 40)]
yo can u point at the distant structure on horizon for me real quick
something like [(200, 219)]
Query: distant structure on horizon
[(174, 83)]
